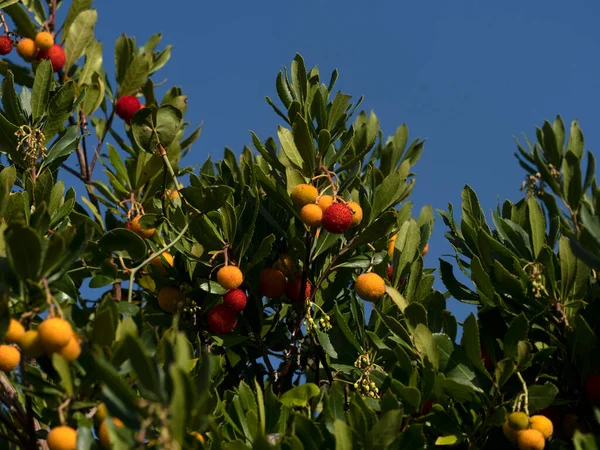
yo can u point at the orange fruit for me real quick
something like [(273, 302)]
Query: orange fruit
[(230, 277), (62, 438), (369, 286), (9, 358), (55, 333), (15, 332), (160, 261), (304, 194)]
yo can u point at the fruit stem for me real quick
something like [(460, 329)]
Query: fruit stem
[(3, 23), (525, 393), (327, 173), (150, 258)]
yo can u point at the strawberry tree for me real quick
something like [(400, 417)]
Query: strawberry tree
[(277, 297)]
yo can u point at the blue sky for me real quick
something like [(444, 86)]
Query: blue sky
[(467, 75)]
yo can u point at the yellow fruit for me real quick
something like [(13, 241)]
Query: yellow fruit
[(169, 297), (101, 413), (515, 422), (357, 213), (198, 436), (136, 227), (15, 332), (304, 194), (44, 40), (26, 49), (369, 286), (425, 249), (62, 438), (391, 244), (103, 431), (159, 262), (542, 424), (72, 350), (311, 215), (530, 440), (55, 333), (230, 277), (9, 358), (325, 201), (31, 344)]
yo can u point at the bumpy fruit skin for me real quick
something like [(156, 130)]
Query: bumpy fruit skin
[(62, 438), (592, 388), (530, 440), (169, 298), (357, 214), (235, 299), (221, 319), (6, 45), (44, 40), (127, 106), (293, 289), (324, 202), (369, 286), (72, 350), (425, 249), (271, 283), (198, 436), (303, 194), (57, 57), (136, 227), (31, 344), (9, 358), (26, 49), (158, 262), (15, 332), (515, 422), (392, 244), (55, 333), (337, 218), (311, 215), (230, 277), (542, 424), (103, 431)]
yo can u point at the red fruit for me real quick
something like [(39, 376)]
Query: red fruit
[(293, 290), (221, 319), (57, 57), (236, 299), (271, 283), (390, 272), (41, 55), (337, 218), (592, 388), (127, 106), (6, 45)]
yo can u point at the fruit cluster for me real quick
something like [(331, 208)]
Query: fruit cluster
[(222, 318), (528, 433), (38, 49), (54, 335), (330, 212)]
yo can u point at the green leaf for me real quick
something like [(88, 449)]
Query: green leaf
[(541, 396), (299, 82), (537, 221), (572, 189), (168, 123), (105, 372), (326, 344), (135, 75), (343, 435), (472, 341), (517, 331), (63, 147), (340, 321), (425, 344), (24, 25), (61, 365), (207, 199), (79, 36), (77, 7), (568, 266), (24, 250), (124, 243), (289, 149), (387, 194), (591, 224), (60, 107), (11, 101), (300, 395), (40, 94), (386, 430), (304, 144), (576, 141), (410, 396), (181, 403)]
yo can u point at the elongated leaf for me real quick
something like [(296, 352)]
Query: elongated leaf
[(40, 93), (80, 34), (537, 222)]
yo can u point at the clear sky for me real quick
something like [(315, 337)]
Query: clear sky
[(467, 75)]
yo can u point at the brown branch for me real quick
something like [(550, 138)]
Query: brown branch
[(72, 171)]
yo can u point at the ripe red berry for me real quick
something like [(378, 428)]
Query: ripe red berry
[(337, 218), (390, 272), (293, 290), (236, 299), (221, 319), (55, 54), (127, 106), (592, 388), (6, 45)]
